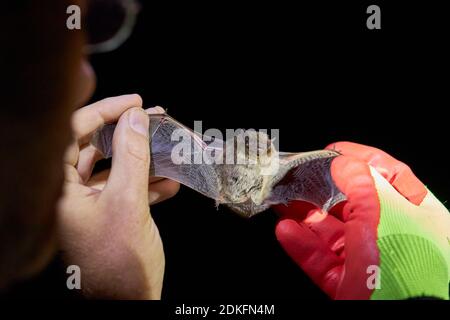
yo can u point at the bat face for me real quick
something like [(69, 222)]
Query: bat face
[(244, 179), (257, 177), (240, 182)]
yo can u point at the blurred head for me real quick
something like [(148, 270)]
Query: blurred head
[(45, 77)]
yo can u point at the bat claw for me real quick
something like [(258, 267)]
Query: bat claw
[(336, 150)]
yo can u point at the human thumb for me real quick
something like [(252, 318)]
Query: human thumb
[(129, 175)]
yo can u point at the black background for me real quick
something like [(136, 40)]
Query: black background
[(312, 70)]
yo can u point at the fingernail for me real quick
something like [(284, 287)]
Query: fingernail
[(155, 110), (139, 122), (159, 109)]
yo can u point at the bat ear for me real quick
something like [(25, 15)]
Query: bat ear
[(273, 144)]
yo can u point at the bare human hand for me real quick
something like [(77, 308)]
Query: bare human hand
[(105, 225)]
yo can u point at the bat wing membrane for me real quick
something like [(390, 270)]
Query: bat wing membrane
[(307, 177), (190, 166)]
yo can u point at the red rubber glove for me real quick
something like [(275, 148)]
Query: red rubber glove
[(336, 248)]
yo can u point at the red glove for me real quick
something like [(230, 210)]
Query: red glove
[(336, 248)]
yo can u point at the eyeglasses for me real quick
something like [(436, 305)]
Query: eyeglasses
[(109, 23)]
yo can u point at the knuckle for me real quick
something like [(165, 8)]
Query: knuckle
[(130, 200), (107, 100), (72, 153), (137, 99), (126, 200)]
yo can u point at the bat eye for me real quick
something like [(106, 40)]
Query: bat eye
[(264, 151)]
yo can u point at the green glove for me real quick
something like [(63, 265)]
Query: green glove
[(389, 240)]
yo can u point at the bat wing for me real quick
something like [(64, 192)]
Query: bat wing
[(177, 153), (307, 177)]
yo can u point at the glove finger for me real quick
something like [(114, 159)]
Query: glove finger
[(396, 172), (328, 228), (310, 253), (295, 210), (361, 216)]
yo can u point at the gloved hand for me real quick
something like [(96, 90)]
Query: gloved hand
[(389, 240)]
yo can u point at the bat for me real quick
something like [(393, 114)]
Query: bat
[(249, 184)]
